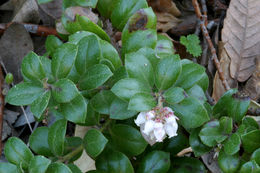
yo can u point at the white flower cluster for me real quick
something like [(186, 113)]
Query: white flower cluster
[(158, 123)]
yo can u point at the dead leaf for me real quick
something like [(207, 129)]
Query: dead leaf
[(14, 45), (72, 11), (85, 163), (252, 87), (166, 21), (25, 11), (242, 37), (167, 6), (210, 162), (218, 88)]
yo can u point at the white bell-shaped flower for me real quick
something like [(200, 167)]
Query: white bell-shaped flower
[(150, 115), (171, 129), (148, 127), (159, 132), (140, 119)]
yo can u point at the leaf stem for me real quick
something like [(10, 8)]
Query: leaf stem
[(71, 154), (105, 125)]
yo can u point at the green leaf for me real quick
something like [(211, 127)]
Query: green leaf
[(24, 94), (232, 145), (119, 111), (88, 54), (151, 55), (32, 67), (56, 137), (39, 141), (190, 75), (101, 102), (164, 45), (192, 44), (74, 168), (76, 37), (142, 102), (191, 112), (6, 167), (113, 162), (256, 156), (87, 3), (63, 60), (204, 82), (228, 163), (75, 110), (174, 95), (52, 43), (251, 141), (127, 88), (39, 164), (94, 142), (139, 67), (250, 167), (74, 76), (43, 1), (64, 91), (155, 162), (46, 63), (197, 92), (127, 139), (94, 77), (186, 165), (211, 134), (226, 125), (250, 122), (58, 168), (17, 152), (92, 117), (167, 72), (72, 144), (119, 74), (102, 7), (40, 104), (197, 146), (110, 53), (123, 10), (230, 104)]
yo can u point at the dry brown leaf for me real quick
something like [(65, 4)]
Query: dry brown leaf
[(242, 37), (166, 21), (85, 163), (167, 6), (218, 88)]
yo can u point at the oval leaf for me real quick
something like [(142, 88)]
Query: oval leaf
[(174, 95), (142, 102), (59, 168), (251, 141), (228, 163), (40, 104), (39, 164), (119, 111), (8, 168), (232, 145)]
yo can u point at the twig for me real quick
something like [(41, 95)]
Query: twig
[(1, 107), (32, 28), (212, 49), (184, 151), (204, 11)]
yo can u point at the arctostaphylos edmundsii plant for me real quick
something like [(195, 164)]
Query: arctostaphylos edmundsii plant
[(144, 105)]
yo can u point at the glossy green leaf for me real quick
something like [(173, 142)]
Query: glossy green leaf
[(56, 137), (24, 94), (228, 163), (250, 167), (64, 91), (191, 112), (164, 45), (192, 44), (77, 36), (87, 3), (250, 122), (119, 110), (155, 162), (88, 54), (52, 43), (139, 67), (92, 117), (39, 141), (74, 168), (74, 76), (94, 142), (256, 156), (71, 144), (197, 146), (142, 102), (211, 134), (119, 74), (40, 104), (17, 152), (102, 101), (204, 82), (251, 141), (197, 92), (6, 167), (58, 168), (32, 67), (75, 110), (46, 63), (94, 77), (63, 60), (113, 162), (39, 164), (174, 95), (226, 125), (102, 7), (127, 88), (232, 145), (167, 72), (187, 165), (123, 10), (128, 139), (231, 104)]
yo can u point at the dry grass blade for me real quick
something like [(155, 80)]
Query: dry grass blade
[(242, 37)]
